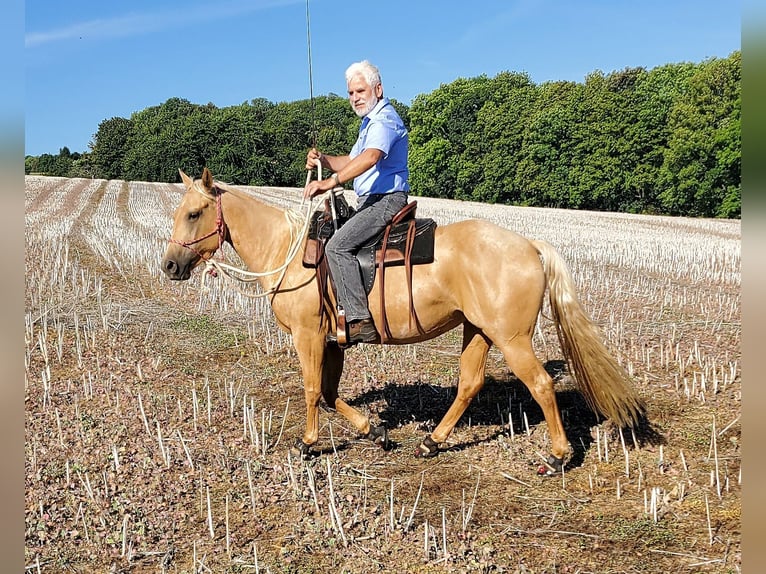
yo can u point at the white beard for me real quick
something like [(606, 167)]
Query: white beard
[(368, 108)]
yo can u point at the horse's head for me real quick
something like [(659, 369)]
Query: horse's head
[(198, 227)]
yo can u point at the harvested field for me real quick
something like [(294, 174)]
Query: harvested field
[(159, 415)]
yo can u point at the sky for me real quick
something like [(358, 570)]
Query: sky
[(89, 61)]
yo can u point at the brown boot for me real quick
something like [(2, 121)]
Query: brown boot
[(362, 331)]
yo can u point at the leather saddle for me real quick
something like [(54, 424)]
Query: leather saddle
[(406, 241)]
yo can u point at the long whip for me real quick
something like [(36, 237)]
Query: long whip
[(311, 79), (313, 117)]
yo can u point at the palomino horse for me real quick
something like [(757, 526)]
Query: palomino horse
[(486, 278)]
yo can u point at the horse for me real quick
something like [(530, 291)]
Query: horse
[(485, 278)]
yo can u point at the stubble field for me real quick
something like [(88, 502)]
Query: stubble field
[(159, 415)]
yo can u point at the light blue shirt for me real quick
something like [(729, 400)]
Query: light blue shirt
[(383, 129)]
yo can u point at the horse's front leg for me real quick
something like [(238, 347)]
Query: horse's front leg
[(322, 366), (310, 349), (332, 368)]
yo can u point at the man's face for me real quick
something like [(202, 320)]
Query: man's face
[(363, 97)]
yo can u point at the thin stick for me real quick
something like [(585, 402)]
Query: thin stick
[(209, 514), (125, 533), (186, 450), (250, 484), (209, 405), (58, 425), (333, 509), (143, 414), (627, 456), (284, 418), (228, 537), (598, 444), (509, 477), (312, 486), (425, 539), (84, 524), (391, 506), (332, 440), (263, 432), (195, 407), (467, 517), (444, 533), (709, 526), (415, 505), (715, 455)]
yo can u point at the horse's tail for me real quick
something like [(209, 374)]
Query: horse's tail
[(605, 384)]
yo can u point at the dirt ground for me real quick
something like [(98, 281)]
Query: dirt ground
[(158, 440)]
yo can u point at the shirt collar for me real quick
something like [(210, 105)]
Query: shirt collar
[(376, 109)]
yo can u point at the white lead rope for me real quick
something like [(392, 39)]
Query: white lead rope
[(244, 276)]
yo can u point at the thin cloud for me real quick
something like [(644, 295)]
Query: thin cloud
[(112, 28), (138, 24)]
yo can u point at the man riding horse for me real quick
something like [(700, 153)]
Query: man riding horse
[(378, 165)]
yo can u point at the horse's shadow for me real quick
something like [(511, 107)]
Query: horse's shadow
[(424, 404)]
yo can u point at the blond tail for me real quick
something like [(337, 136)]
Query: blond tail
[(604, 383)]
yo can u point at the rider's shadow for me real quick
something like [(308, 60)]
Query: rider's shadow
[(424, 405)]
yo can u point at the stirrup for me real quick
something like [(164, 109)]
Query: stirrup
[(340, 333)]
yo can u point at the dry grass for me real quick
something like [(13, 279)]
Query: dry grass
[(159, 415)]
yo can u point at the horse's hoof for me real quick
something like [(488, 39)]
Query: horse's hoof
[(300, 449), (427, 448), (379, 436), (552, 467)]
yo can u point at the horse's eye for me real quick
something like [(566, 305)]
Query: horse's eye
[(194, 215)]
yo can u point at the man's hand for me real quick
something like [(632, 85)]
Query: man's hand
[(316, 187), (313, 157)]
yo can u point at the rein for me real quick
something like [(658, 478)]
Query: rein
[(243, 275)]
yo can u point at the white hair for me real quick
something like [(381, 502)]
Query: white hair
[(364, 68)]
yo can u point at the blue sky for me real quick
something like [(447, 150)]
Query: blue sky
[(87, 61)]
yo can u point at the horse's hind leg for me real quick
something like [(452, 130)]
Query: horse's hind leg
[(473, 360), (522, 361), (332, 368)]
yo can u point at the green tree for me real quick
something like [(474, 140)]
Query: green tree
[(496, 142), (542, 174), (109, 146), (701, 172), (441, 123), (648, 133), (162, 139), (240, 152)]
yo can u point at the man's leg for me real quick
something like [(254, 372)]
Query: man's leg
[(371, 218)]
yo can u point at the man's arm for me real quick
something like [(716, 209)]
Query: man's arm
[(359, 164), (345, 169), (331, 162)]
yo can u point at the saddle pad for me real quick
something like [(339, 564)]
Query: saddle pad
[(422, 251)]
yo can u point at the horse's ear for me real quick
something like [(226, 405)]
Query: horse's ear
[(188, 182), (207, 179)]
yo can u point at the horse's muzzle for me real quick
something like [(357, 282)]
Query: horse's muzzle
[(175, 271)]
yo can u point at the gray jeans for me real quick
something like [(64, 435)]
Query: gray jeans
[(371, 218)]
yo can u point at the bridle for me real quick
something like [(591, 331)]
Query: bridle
[(220, 227), (213, 267)]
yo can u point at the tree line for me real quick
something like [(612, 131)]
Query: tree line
[(664, 141)]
